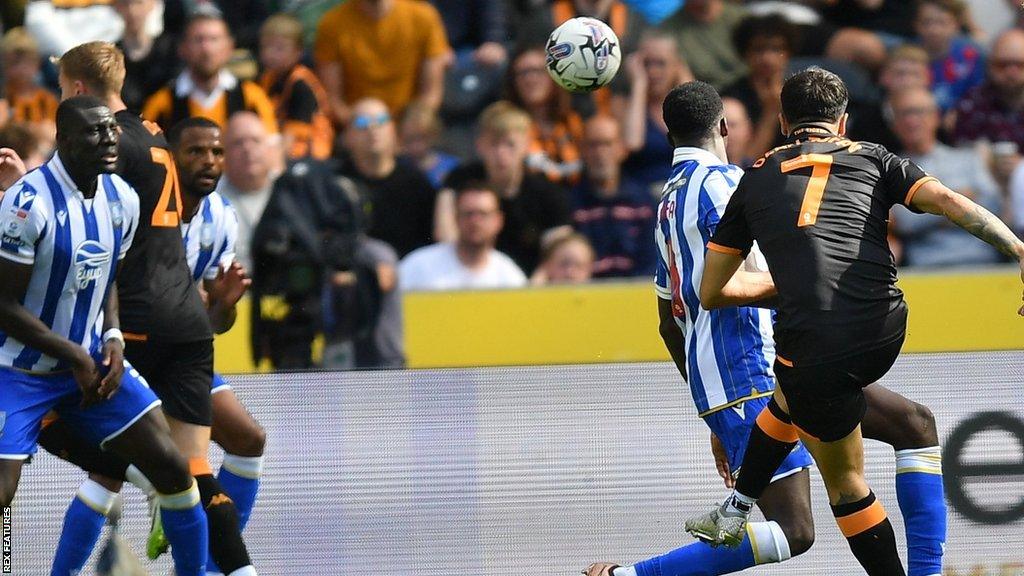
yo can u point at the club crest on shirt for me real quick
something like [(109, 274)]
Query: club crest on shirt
[(116, 214), (91, 260), (206, 236)]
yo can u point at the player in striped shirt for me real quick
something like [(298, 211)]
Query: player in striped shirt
[(65, 228), (209, 231), (726, 356)]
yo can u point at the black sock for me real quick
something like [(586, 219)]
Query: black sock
[(771, 440), (869, 532), (226, 545)]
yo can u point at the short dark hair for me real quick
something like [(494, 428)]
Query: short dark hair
[(174, 135), (767, 26), (474, 185), (814, 95), (18, 136), (692, 111), (70, 110)]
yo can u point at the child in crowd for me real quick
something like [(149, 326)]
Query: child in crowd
[(957, 63), (419, 133), (299, 99)]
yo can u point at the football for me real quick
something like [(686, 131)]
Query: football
[(583, 54)]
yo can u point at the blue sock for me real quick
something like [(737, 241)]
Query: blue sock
[(699, 559), (83, 523), (185, 526), (923, 505), (240, 478)]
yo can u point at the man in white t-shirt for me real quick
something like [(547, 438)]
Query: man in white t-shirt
[(471, 262)]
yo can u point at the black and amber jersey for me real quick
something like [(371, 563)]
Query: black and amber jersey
[(39, 105), (818, 208), (156, 295), (300, 102)]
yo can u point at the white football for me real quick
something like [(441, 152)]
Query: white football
[(583, 54)]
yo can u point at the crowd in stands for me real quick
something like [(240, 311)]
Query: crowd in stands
[(380, 146)]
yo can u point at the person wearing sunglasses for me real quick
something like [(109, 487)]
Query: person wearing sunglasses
[(399, 199), (994, 111)]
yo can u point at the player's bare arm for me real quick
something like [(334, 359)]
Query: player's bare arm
[(724, 285), (674, 340), (17, 322), (113, 345), (935, 198)]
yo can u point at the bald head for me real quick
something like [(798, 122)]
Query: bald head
[(247, 152), (1006, 63), (603, 151)]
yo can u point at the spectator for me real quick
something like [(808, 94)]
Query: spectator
[(654, 70), (1014, 208), (477, 29), (556, 128), (957, 63), (739, 132), (930, 240), (892, 20), (567, 259), (23, 141), (704, 30), (471, 262), (994, 111), (150, 61), (906, 68), (398, 197), (248, 176), (613, 212), (542, 20), (206, 88), (28, 101), (392, 50), (298, 97), (419, 133), (60, 25), (766, 44), (534, 208), (243, 17)]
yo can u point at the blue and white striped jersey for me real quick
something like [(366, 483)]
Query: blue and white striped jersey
[(73, 245), (210, 237), (729, 352)]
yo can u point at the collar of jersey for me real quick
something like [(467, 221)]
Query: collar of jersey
[(684, 153), (185, 86), (812, 130), (66, 183)]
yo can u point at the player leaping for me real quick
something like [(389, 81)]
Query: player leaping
[(65, 229), (727, 356)]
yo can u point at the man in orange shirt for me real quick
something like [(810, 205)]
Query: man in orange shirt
[(206, 88), (393, 50)]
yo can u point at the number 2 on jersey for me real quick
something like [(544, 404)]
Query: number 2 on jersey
[(822, 166), (166, 214)]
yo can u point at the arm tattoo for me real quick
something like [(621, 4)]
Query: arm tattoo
[(986, 226)]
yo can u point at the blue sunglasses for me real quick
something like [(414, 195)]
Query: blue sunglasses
[(364, 121)]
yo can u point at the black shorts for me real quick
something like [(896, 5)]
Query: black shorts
[(66, 443), (827, 400), (181, 375)]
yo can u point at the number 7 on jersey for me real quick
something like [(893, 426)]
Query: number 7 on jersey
[(822, 166)]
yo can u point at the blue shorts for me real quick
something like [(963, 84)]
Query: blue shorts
[(25, 398), (219, 384), (733, 429)]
